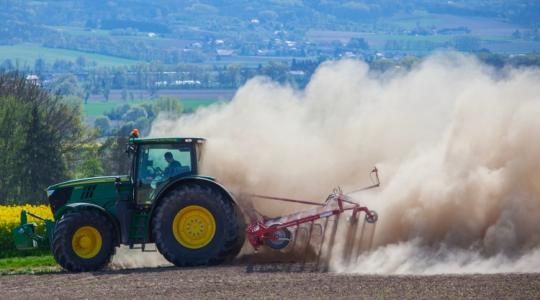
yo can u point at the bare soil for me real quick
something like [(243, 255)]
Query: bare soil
[(267, 282)]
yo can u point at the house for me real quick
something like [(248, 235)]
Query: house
[(225, 52), (33, 79)]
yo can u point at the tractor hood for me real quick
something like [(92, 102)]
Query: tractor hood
[(100, 191), (88, 181)]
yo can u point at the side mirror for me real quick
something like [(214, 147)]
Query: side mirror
[(130, 148)]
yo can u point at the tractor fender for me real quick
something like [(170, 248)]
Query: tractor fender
[(191, 179), (81, 206), (185, 180)]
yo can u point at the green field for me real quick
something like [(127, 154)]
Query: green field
[(98, 108), (28, 53), (80, 30)]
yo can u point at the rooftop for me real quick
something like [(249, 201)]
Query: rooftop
[(172, 140)]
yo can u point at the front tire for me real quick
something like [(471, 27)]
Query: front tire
[(83, 241), (195, 225)]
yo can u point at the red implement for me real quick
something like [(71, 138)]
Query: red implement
[(275, 233)]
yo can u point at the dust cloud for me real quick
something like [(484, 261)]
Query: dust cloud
[(129, 258), (456, 142)]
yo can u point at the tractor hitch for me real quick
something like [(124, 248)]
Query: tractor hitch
[(25, 236)]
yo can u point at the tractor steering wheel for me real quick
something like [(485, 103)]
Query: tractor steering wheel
[(156, 181), (157, 171)]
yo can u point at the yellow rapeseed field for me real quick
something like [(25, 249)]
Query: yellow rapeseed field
[(11, 215)]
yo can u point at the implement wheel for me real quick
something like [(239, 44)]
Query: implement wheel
[(83, 241), (281, 239), (195, 225)]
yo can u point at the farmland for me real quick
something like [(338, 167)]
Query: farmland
[(98, 108), (231, 282), (27, 53)]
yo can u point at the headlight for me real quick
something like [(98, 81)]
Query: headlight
[(49, 192)]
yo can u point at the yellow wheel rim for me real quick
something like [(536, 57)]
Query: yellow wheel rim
[(86, 242), (194, 227)]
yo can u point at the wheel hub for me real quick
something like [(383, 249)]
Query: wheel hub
[(86, 242), (194, 227)]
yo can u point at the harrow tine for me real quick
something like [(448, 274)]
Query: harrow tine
[(349, 239), (306, 247), (370, 243), (323, 234), (331, 243), (359, 241), (295, 237)]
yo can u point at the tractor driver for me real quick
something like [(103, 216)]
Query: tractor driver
[(174, 166)]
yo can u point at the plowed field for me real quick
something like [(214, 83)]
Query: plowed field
[(239, 281)]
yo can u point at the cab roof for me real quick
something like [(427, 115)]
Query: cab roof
[(168, 140)]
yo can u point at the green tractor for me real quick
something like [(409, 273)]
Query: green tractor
[(192, 219)]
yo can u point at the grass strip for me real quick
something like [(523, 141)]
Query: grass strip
[(28, 265)]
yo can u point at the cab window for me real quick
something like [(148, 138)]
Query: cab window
[(163, 161)]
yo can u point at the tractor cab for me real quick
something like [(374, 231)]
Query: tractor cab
[(158, 161)]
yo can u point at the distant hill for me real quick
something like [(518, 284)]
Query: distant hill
[(211, 31)]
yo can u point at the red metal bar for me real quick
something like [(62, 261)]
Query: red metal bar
[(286, 199), (377, 184)]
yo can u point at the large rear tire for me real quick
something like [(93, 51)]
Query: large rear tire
[(195, 225), (83, 241)]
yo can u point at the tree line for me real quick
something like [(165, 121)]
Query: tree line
[(44, 141), (83, 79)]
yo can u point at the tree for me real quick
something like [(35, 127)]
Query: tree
[(106, 91), (357, 43), (38, 136), (36, 153), (119, 79), (90, 163), (103, 124), (87, 91), (169, 106), (118, 112), (104, 83), (7, 65), (65, 85), (12, 112), (466, 43), (135, 113), (113, 154), (39, 66), (81, 62)]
